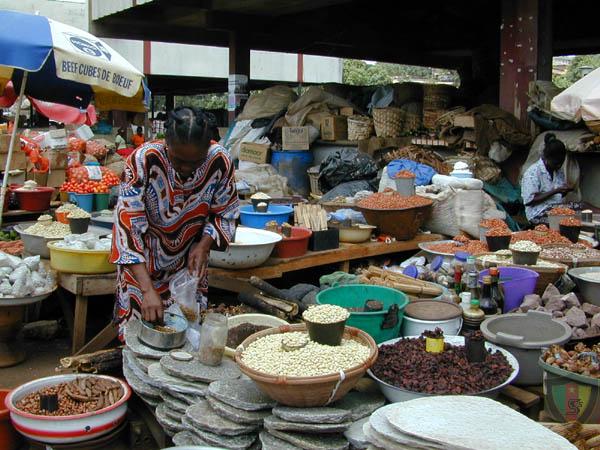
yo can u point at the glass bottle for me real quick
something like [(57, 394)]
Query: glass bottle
[(473, 317), (458, 288), (472, 284), (488, 305), (470, 267), (213, 338), (497, 294)]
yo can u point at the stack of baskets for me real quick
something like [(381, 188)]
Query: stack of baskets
[(359, 127), (388, 121), (436, 100)]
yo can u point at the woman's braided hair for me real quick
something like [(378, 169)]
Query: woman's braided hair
[(189, 125)]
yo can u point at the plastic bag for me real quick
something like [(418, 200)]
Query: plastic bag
[(342, 215), (75, 145), (184, 288), (349, 189), (346, 165)]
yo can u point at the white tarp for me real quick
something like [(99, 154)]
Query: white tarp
[(581, 100)]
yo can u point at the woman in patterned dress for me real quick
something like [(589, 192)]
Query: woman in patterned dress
[(177, 202)]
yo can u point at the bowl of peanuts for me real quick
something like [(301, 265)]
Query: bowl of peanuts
[(79, 407)]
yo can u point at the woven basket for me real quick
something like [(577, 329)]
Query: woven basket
[(431, 117), (359, 127), (548, 275), (413, 116), (570, 262), (593, 126), (308, 391), (388, 121), (436, 96)]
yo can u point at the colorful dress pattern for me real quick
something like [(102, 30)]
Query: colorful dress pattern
[(159, 216)]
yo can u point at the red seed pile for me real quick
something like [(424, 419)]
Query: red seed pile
[(493, 223), (541, 235), (80, 396), (393, 200), (570, 222), (406, 364), (561, 212), (405, 174), (473, 247), (496, 232)]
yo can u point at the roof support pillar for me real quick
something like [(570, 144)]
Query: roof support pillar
[(525, 51), (239, 74)]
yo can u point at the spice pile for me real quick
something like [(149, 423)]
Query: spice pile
[(460, 244), (390, 199), (80, 396), (406, 364), (570, 222), (493, 223), (498, 231), (582, 359), (268, 356), (561, 211), (325, 314), (78, 214), (404, 174), (575, 251), (541, 235), (12, 247), (525, 246)]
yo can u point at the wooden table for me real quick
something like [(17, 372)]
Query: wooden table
[(85, 286)]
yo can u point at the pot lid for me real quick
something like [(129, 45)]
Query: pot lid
[(432, 310)]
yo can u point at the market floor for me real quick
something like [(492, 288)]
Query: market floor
[(42, 359)]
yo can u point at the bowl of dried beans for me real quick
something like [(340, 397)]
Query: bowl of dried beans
[(405, 371), (395, 214), (84, 407)]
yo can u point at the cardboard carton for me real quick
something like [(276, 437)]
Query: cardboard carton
[(295, 138), (256, 153), (334, 128)]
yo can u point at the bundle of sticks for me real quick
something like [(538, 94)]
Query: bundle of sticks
[(420, 155), (408, 285), (310, 216)]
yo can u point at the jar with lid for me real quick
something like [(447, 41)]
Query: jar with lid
[(213, 338), (472, 317)]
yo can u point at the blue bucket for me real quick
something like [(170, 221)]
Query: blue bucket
[(294, 164), (84, 201), (253, 219)]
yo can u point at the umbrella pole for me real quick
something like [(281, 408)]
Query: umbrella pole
[(13, 139)]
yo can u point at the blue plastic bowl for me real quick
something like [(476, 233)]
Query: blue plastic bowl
[(253, 219)]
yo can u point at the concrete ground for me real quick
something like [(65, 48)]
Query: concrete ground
[(42, 358)]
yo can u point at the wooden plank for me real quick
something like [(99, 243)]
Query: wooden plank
[(101, 340), (520, 396), (66, 309), (538, 390), (88, 285), (79, 324)]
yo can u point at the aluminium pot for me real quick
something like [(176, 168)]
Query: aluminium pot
[(427, 315), (525, 336)]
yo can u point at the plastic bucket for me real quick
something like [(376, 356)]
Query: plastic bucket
[(79, 226), (36, 200), (101, 201), (405, 186), (84, 201), (294, 246), (253, 219), (8, 436), (294, 164), (516, 282), (355, 296)]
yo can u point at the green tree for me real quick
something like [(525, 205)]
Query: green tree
[(574, 72), (359, 73)]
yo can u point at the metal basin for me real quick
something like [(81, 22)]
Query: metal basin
[(590, 290), (164, 341), (251, 248)]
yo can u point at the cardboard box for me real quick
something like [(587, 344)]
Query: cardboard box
[(256, 153), (346, 111), (295, 138), (464, 121), (334, 128), (56, 178), (57, 158), (18, 162), (5, 142), (40, 178)]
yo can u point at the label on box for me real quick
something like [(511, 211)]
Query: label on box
[(94, 173)]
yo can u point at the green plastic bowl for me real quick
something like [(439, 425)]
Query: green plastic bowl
[(355, 295)]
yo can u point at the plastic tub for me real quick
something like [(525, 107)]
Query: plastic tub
[(405, 186), (517, 282), (80, 261), (84, 201), (294, 164), (251, 248), (588, 287), (101, 201), (8, 436), (356, 234), (525, 335), (35, 200), (253, 219), (296, 245), (62, 217), (355, 296)]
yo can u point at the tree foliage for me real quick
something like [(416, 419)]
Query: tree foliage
[(360, 73), (574, 71)]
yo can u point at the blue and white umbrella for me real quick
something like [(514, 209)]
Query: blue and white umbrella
[(55, 62)]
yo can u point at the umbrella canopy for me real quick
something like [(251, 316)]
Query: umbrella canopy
[(580, 101), (66, 65)]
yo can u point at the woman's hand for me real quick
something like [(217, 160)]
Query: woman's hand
[(152, 307), (198, 257)]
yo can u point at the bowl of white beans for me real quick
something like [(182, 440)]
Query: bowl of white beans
[(587, 280)]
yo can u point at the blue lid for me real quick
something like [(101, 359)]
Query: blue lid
[(461, 256), (411, 271), (437, 263), (91, 163)]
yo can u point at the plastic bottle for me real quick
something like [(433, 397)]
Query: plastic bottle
[(472, 317), (465, 300)]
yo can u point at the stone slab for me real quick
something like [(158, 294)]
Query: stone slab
[(186, 398), (165, 421), (360, 404), (132, 330), (187, 439), (323, 414), (270, 442), (356, 436), (166, 381), (173, 403), (195, 371), (242, 394), (130, 361), (275, 423), (138, 385), (141, 363), (241, 442), (312, 441), (235, 414), (203, 416)]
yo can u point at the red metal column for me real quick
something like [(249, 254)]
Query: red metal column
[(239, 64), (525, 48)]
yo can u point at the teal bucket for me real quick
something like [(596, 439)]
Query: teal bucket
[(294, 164), (355, 296), (84, 201)]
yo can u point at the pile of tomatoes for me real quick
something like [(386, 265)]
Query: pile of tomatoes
[(79, 182)]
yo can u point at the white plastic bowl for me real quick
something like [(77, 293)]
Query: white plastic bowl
[(65, 429), (395, 394), (252, 247)]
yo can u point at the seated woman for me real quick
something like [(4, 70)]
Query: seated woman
[(544, 184)]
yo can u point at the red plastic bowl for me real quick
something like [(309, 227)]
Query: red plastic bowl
[(36, 200), (296, 245)]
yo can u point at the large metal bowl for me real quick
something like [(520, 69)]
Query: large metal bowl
[(251, 248), (403, 224), (589, 289), (395, 394), (164, 341), (66, 429), (430, 254)]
